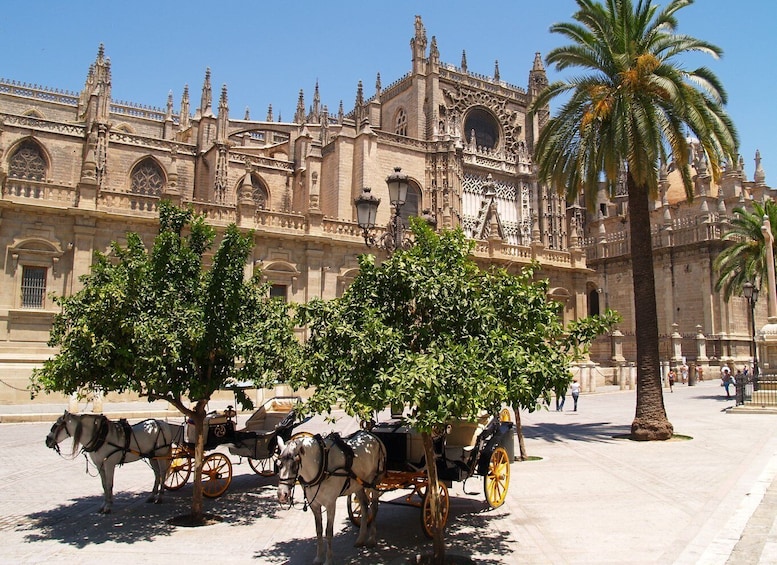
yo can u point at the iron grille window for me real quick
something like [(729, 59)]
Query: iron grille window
[(279, 291), (33, 287)]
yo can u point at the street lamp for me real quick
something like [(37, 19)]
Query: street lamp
[(750, 292), (367, 211)]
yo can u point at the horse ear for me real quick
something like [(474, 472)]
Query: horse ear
[(281, 443)]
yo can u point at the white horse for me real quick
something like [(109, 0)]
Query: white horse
[(115, 443), (329, 468)]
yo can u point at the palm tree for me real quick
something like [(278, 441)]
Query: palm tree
[(745, 260), (632, 107)]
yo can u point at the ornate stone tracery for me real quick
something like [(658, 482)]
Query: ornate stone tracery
[(461, 99)]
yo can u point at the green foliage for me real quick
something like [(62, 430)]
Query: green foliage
[(634, 102), (429, 329), (744, 259), (160, 325)]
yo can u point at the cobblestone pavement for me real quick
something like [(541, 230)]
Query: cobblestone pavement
[(592, 497)]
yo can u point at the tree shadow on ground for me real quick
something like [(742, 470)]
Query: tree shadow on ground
[(78, 523), (471, 531), (559, 432)]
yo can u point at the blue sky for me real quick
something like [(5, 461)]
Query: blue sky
[(265, 52)]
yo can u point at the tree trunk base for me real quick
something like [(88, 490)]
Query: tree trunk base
[(648, 429), (191, 521)]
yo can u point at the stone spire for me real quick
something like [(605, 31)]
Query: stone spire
[(247, 116), (434, 53), (169, 110), (760, 175), (340, 113), (496, 70), (359, 112), (418, 45), (97, 85), (183, 122), (377, 86), (315, 113), (464, 61), (222, 123), (299, 115), (206, 100), (269, 113)]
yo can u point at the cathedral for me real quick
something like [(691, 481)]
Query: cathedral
[(80, 170)]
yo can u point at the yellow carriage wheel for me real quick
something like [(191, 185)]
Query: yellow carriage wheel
[(497, 480), (427, 519), (180, 469), (355, 511), (216, 475), (265, 467)]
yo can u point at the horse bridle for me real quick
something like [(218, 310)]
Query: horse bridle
[(60, 424)]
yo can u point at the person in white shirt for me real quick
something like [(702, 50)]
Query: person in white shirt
[(575, 390)]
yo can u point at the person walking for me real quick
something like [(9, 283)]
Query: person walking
[(561, 396), (575, 388), (672, 378), (684, 373), (727, 379)]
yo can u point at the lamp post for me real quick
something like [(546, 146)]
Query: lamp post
[(750, 292), (367, 211)]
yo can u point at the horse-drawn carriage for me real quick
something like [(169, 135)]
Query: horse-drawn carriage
[(463, 449), (257, 441)]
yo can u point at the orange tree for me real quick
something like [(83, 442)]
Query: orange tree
[(162, 326), (429, 329)]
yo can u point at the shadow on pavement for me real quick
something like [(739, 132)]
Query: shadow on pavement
[(470, 531), (78, 523), (558, 432)]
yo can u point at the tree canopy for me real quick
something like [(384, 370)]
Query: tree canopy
[(744, 259), (162, 325), (429, 328)]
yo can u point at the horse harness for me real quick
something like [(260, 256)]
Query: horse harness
[(324, 472), (100, 439)]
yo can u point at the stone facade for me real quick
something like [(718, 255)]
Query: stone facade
[(79, 170), (696, 325)]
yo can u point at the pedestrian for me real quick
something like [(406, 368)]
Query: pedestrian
[(672, 377), (684, 373), (726, 379), (561, 396), (575, 388), (700, 372)]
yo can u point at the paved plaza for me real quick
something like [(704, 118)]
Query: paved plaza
[(591, 497)]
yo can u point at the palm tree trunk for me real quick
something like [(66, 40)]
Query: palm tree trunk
[(650, 421)]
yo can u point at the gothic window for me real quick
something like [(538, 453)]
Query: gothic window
[(401, 123), (33, 286), (484, 126), (412, 204), (27, 162), (147, 179)]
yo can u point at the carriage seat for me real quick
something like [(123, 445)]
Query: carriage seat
[(462, 437), (270, 414)]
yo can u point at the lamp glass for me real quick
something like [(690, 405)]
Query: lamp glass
[(748, 289), (397, 186), (366, 209)]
